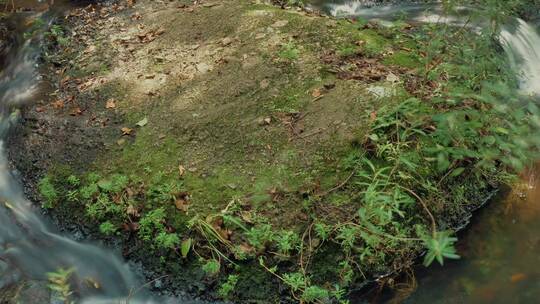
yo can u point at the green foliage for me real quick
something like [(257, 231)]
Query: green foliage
[(296, 281), (440, 246), (211, 267), (87, 192), (59, 282), (107, 228), (166, 240), (315, 294), (186, 247), (48, 192), (226, 289), (152, 222), (287, 241), (289, 52), (260, 235), (57, 33), (73, 181)]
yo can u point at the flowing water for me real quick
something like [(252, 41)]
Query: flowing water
[(29, 246), (501, 249)]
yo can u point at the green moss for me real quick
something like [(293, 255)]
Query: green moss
[(403, 59)]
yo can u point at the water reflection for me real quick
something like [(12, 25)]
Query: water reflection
[(500, 254)]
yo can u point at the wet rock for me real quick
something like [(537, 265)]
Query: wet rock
[(35, 292)]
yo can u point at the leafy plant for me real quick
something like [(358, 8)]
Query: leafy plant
[(107, 228), (289, 51), (153, 221), (166, 240), (211, 267), (59, 282), (48, 192), (259, 236), (227, 288), (440, 246)]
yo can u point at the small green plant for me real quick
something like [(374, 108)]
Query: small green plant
[(48, 192), (227, 288), (289, 52), (287, 241), (315, 294), (59, 282), (260, 235), (73, 181), (152, 222), (57, 33), (166, 240), (107, 228), (89, 191), (440, 246), (211, 267)]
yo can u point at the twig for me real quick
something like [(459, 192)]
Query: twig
[(340, 185), (132, 293), (312, 133), (433, 222)]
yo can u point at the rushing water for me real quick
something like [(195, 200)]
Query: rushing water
[(501, 249), (29, 246)]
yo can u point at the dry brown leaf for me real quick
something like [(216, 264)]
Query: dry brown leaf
[(76, 112), (316, 93), (126, 131), (131, 226), (181, 170), (518, 277), (182, 204), (58, 104), (373, 116), (246, 248)]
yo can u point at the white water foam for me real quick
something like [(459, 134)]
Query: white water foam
[(522, 46)]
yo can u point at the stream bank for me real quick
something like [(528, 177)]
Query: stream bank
[(243, 130)]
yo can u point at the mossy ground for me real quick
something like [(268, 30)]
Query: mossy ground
[(246, 131)]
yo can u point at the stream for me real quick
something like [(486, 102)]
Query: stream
[(30, 247), (499, 250)]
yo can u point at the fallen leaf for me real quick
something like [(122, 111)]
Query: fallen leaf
[(181, 170), (126, 131), (143, 122), (316, 93), (182, 204), (110, 104), (246, 248), (518, 277), (265, 83), (185, 247), (76, 112), (246, 216), (131, 226), (92, 282), (58, 104)]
